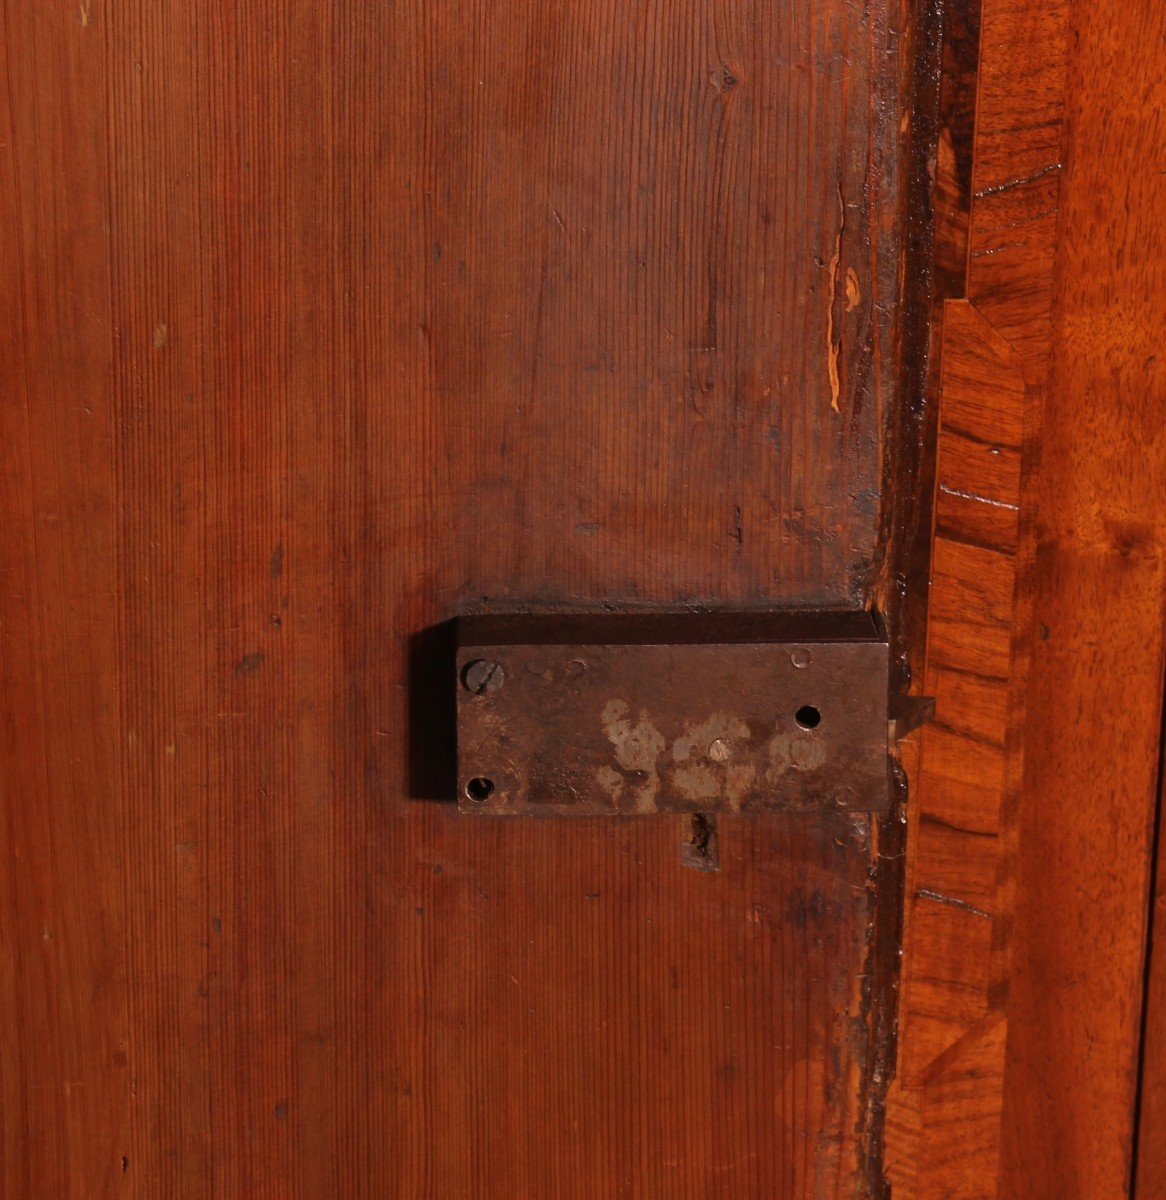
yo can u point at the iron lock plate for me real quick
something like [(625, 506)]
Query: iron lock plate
[(692, 712)]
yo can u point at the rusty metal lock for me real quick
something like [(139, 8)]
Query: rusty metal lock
[(683, 712)]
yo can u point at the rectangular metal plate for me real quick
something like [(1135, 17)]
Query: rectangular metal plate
[(691, 712)]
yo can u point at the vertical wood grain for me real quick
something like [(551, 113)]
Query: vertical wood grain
[(995, 196), (1019, 1060), (65, 1077), (1094, 720), (327, 323)]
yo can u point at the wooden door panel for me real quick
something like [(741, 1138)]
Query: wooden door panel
[(327, 323)]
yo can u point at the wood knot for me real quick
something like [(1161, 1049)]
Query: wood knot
[(723, 80)]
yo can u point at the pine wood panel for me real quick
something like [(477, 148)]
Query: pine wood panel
[(328, 322)]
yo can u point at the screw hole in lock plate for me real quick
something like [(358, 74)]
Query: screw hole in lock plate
[(808, 716), (479, 789)]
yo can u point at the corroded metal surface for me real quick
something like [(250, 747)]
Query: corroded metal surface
[(625, 715)]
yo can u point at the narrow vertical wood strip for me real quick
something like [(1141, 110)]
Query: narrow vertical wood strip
[(1098, 585), (1150, 1161), (946, 1111)]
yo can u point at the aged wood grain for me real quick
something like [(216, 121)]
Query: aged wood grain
[(943, 127), (1094, 722), (943, 1135), (1035, 793), (326, 323), (995, 198), (64, 1084)]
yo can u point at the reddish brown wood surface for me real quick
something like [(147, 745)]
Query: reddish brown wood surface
[(1093, 729), (1030, 842), (996, 208), (324, 323)]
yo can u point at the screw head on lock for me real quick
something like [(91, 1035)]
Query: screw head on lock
[(482, 676)]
